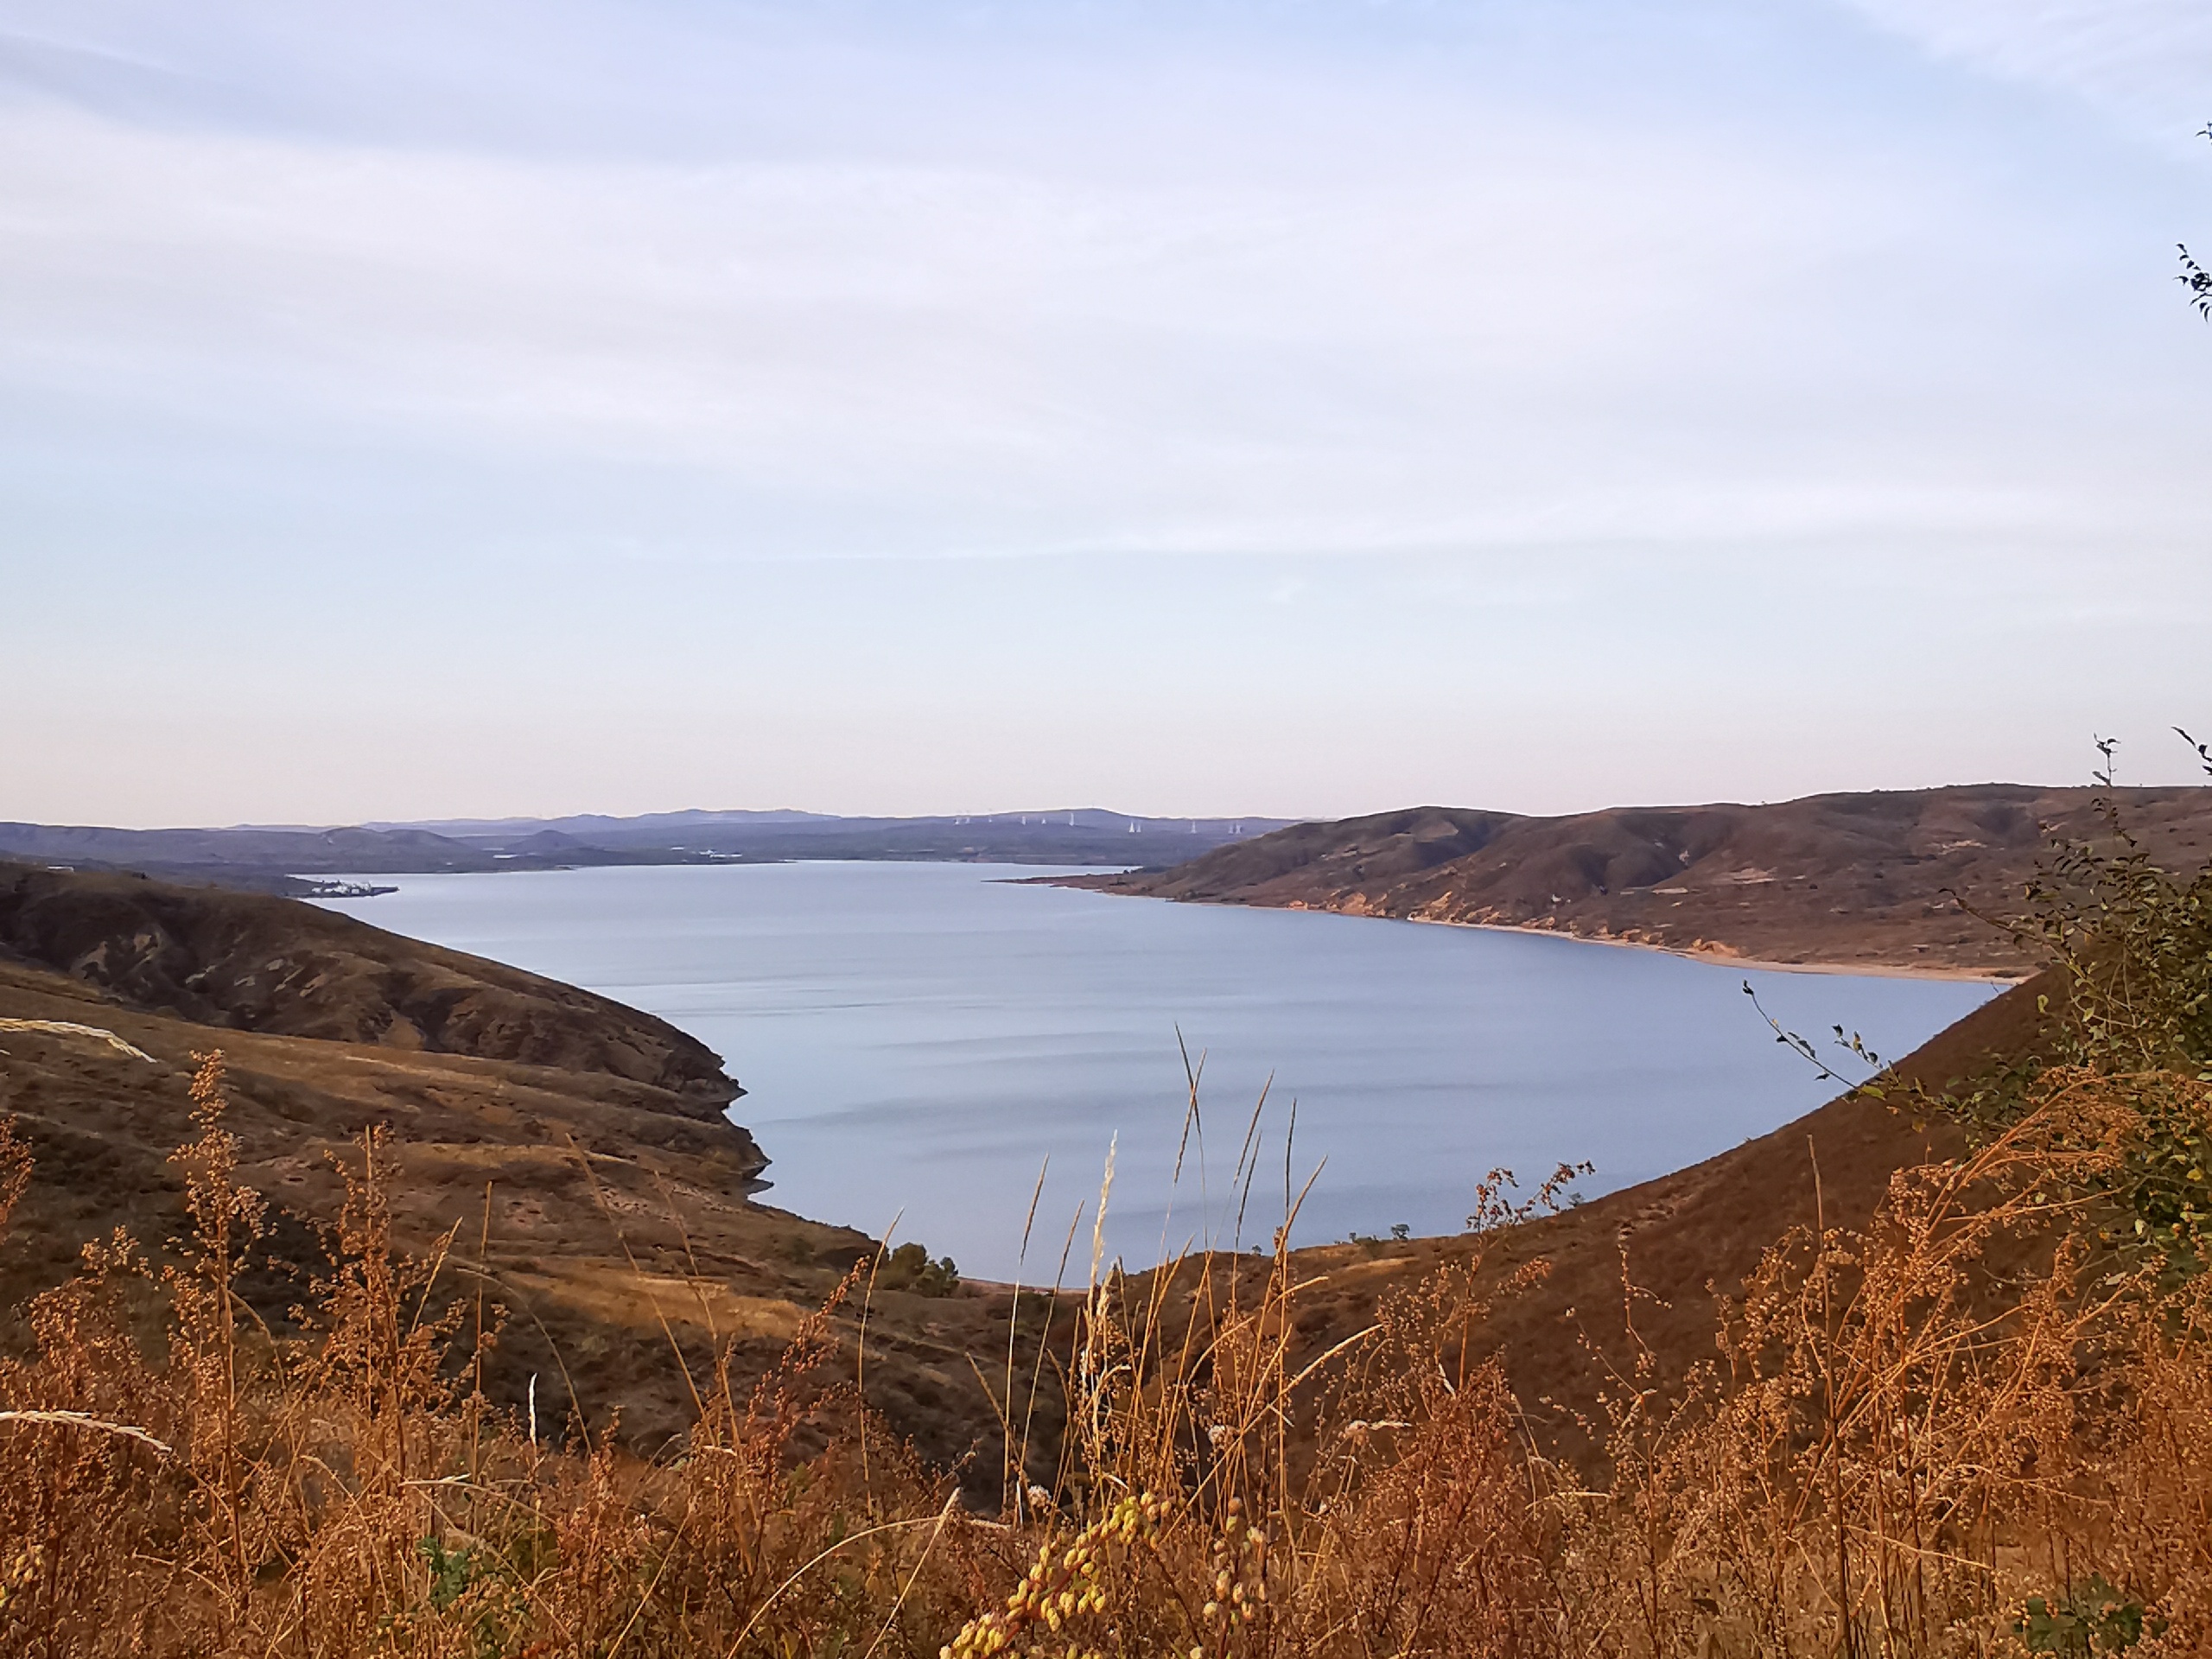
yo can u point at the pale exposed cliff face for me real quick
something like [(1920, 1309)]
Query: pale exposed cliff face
[(1873, 881)]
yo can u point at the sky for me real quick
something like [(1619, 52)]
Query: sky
[(1298, 408)]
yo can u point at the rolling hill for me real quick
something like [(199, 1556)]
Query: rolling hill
[(1883, 881), (298, 861), (575, 1150)]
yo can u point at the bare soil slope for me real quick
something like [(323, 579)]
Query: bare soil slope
[(1870, 880)]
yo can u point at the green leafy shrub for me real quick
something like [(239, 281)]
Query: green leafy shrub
[(909, 1268), (2096, 1619)]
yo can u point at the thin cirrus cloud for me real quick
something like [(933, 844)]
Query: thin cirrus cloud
[(1157, 353), (1746, 307), (2148, 62)]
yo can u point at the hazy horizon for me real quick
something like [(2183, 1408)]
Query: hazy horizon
[(479, 410), (458, 822)]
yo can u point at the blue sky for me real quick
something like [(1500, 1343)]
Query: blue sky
[(1307, 408)]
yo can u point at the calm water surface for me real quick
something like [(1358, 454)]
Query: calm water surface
[(915, 1038)]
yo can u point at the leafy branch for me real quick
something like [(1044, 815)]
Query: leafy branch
[(2197, 281)]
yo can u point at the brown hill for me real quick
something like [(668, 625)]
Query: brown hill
[(1685, 1240), (577, 1147), (248, 962), (1871, 880), (610, 1212)]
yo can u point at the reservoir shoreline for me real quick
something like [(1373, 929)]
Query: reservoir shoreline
[(1720, 955), (919, 1037)]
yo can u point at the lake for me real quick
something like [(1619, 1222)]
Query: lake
[(916, 1039)]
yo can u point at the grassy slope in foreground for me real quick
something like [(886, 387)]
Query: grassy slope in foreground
[(1685, 1240), (1871, 882)]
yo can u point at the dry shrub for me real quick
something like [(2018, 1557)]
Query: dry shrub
[(1975, 1426), (1893, 1414), (346, 1490), (2158, 1525), (1980, 1424), (1237, 1496)]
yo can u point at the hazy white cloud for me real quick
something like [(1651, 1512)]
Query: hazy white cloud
[(627, 369), (2148, 62), (1552, 334)]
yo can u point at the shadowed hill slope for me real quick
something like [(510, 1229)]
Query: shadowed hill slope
[(1864, 881), (249, 961)]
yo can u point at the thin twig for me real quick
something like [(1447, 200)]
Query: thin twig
[(85, 1419)]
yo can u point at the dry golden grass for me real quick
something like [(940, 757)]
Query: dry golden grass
[(1974, 1425)]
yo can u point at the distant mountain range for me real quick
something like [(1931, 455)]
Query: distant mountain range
[(301, 859)]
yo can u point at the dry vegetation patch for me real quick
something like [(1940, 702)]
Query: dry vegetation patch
[(1980, 1422)]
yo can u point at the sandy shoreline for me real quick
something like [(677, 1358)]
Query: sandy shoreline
[(1728, 958), (1719, 957)]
